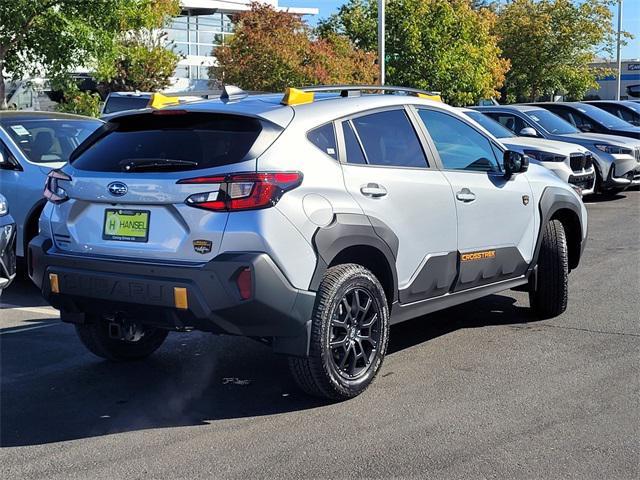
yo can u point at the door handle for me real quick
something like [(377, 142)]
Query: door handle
[(465, 195), (373, 190)]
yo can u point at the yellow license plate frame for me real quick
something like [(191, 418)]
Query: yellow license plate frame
[(125, 225)]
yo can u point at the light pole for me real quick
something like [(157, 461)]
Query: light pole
[(381, 40), (618, 49)]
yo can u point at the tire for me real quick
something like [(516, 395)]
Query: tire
[(95, 336), (349, 335), (549, 299)]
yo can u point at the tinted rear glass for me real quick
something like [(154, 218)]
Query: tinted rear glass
[(120, 104), (198, 140)]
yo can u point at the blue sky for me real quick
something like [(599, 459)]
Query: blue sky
[(630, 18)]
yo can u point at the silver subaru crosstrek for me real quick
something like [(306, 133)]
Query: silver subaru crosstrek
[(311, 222)]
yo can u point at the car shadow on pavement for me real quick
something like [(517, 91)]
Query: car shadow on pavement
[(23, 292), (53, 390), (604, 198)]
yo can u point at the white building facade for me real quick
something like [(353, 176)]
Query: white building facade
[(203, 25)]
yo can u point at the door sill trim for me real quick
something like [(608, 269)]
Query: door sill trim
[(402, 312)]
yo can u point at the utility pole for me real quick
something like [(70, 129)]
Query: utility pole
[(618, 49), (381, 29)]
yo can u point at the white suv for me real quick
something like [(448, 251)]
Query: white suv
[(312, 222)]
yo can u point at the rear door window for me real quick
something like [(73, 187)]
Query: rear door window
[(176, 142), (389, 140)]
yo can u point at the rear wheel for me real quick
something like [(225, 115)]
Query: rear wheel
[(120, 342), (350, 331), (549, 297)]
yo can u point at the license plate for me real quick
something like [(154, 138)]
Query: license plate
[(126, 225)]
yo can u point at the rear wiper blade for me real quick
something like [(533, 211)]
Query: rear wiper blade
[(131, 164)]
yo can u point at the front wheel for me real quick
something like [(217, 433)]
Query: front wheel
[(549, 297), (349, 335), (136, 343)]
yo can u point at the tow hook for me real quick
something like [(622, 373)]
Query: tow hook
[(120, 328)]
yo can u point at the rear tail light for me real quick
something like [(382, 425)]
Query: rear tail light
[(242, 191), (52, 189)]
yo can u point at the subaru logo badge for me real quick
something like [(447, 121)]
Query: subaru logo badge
[(117, 189)]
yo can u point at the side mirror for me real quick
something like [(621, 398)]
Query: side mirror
[(514, 162), (528, 132), (586, 127)]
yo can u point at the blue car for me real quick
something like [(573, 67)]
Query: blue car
[(31, 144)]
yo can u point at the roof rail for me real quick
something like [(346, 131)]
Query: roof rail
[(355, 91), (346, 90)]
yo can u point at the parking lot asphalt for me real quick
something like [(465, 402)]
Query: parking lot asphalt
[(482, 390)]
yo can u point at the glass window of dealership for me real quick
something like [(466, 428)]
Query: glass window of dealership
[(202, 26)]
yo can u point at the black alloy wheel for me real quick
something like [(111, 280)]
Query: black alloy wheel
[(354, 334)]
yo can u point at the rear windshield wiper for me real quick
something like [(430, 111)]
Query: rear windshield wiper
[(137, 164)]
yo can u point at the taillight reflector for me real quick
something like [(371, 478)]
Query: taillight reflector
[(242, 191), (243, 280)]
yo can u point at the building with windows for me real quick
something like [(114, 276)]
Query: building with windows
[(201, 26), (608, 85)]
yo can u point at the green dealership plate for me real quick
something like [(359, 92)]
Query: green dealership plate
[(126, 225)]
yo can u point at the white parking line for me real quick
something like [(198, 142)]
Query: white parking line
[(41, 310), (37, 327)]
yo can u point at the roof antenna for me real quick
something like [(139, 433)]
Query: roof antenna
[(231, 93)]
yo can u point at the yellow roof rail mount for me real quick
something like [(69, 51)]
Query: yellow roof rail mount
[(158, 100), (293, 96)]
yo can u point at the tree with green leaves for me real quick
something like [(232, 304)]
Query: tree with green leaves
[(441, 45), (550, 44), (271, 50), (51, 37)]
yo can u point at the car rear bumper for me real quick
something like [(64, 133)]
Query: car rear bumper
[(150, 293)]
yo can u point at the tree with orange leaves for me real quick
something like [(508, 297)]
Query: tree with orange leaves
[(271, 50)]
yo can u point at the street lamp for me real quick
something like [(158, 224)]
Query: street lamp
[(618, 49), (381, 40)]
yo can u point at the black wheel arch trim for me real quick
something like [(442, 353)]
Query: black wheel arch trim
[(353, 230), (553, 200), (38, 206)]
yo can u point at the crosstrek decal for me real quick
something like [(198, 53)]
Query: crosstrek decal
[(202, 246), (471, 256)]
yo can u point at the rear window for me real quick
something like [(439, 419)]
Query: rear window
[(171, 142), (120, 104)]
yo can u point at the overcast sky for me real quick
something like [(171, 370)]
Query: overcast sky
[(630, 17)]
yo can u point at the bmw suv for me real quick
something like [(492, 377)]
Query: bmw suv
[(617, 159), (311, 222)]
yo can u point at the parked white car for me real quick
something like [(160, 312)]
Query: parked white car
[(572, 163)]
